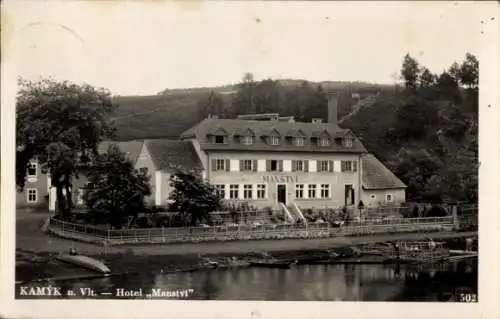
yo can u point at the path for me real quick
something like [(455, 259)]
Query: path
[(29, 237)]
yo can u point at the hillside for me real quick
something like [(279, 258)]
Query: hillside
[(169, 113)]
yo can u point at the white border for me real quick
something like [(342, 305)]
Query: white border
[(489, 217)]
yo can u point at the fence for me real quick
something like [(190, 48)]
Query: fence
[(245, 232)]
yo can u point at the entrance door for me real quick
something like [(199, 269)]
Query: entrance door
[(282, 193)]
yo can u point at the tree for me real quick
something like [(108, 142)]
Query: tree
[(60, 124), (427, 79), (455, 72), (410, 72), (469, 71), (415, 117), (118, 189), (193, 197), (244, 100), (212, 104)]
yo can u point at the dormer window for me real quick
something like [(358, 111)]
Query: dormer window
[(220, 139), (347, 141), (274, 140), (247, 140), (299, 141), (323, 141)]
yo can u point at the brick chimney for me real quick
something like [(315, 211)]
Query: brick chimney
[(333, 105)]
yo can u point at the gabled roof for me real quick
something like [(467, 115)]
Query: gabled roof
[(295, 133), (131, 148), (202, 130), (171, 154), (377, 176)]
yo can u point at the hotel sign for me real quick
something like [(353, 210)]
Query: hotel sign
[(280, 179)]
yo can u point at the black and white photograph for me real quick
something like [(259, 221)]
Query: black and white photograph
[(247, 151)]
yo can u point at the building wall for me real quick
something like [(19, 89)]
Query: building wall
[(37, 184), (144, 160), (376, 197), (337, 180)]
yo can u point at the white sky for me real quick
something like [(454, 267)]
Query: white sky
[(143, 48)]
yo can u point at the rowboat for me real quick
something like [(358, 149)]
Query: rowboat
[(85, 262)]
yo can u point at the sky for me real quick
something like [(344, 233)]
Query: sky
[(144, 48)]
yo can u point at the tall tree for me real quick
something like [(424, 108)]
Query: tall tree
[(60, 124), (455, 72), (427, 79), (410, 72), (118, 189), (268, 96), (469, 71), (211, 104), (244, 100)]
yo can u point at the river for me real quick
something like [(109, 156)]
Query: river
[(303, 283)]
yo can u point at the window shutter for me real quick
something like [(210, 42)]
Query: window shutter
[(342, 166), (268, 165), (352, 196), (254, 165), (280, 166), (330, 166), (214, 165), (355, 166), (306, 166), (294, 165), (228, 166)]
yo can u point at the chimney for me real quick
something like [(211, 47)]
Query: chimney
[(333, 104)]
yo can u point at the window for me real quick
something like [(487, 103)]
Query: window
[(388, 197), (248, 140), (299, 141), (233, 191), (261, 191), (322, 166), (89, 186), (299, 191), (349, 166), (349, 194), (219, 165), (274, 140), (298, 166), (247, 191), (311, 192), (32, 168), (246, 165), (323, 141), (372, 196), (274, 165), (143, 170), (325, 191), (32, 194), (219, 139), (348, 141), (221, 190)]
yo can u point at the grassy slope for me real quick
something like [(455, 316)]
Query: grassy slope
[(169, 114)]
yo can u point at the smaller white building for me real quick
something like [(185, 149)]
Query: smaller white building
[(380, 186)]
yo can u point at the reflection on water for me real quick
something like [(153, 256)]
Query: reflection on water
[(309, 282)]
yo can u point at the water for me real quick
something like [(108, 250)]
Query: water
[(306, 283)]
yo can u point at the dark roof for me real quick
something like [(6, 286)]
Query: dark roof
[(170, 154), (207, 127), (131, 148), (377, 176)]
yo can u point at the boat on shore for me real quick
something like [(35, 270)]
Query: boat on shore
[(271, 264), (85, 262)]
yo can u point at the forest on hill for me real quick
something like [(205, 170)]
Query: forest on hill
[(425, 129), (171, 112)]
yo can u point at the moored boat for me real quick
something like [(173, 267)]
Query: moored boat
[(85, 262), (270, 264)]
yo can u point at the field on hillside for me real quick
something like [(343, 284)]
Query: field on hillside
[(172, 112)]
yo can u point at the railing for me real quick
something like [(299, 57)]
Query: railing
[(287, 212), (246, 232), (298, 212)]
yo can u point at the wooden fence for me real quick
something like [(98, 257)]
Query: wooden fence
[(245, 232)]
